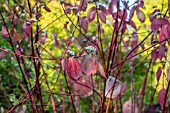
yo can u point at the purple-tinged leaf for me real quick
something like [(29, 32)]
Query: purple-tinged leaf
[(134, 39), (152, 15), (83, 86), (47, 9), (42, 40), (158, 73), (164, 34), (73, 68), (161, 96), (132, 11), (88, 65), (84, 23), (63, 63), (125, 5), (112, 3), (102, 17), (38, 15), (2, 54), (169, 5), (67, 7), (133, 24), (141, 4), (91, 14), (101, 70), (4, 32), (126, 44), (168, 73), (140, 15), (110, 91), (154, 55), (124, 87), (19, 50), (82, 41), (27, 28), (83, 5), (161, 52), (103, 9), (157, 23)]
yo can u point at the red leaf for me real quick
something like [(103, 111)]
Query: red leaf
[(158, 22), (102, 17), (161, 96), (83, 86), (91, 14), (88, 65), (158, 73), (73, 68), (4, 32), (101, 70), (115, 91), (140, 15)]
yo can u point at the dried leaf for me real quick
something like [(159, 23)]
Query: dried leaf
[(168, 73), (101, 70), (17, 37), (73, 68), (83, 86), (63, 65), (88, 65), (115, 91), (140, 15)]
